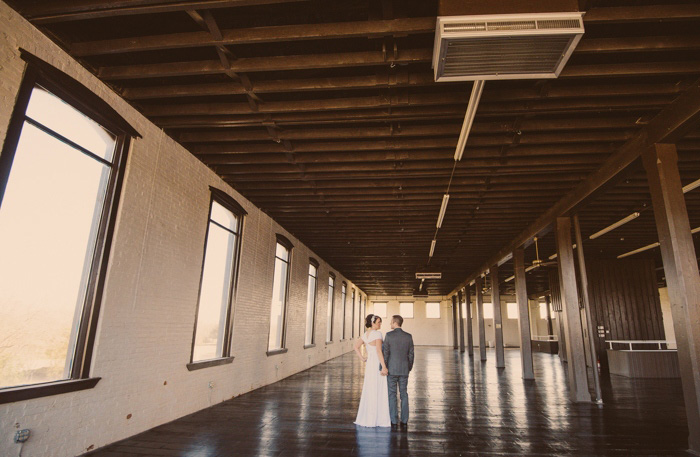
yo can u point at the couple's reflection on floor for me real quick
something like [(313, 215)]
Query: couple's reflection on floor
[(377, 441)]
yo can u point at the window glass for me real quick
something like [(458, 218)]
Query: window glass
[(224, 217), (311, 305), (432, 310), (464, 310), (543, 311), (50, 217), (380, 309), (343, 298), (406, 310), (488, 311), (512, 309), (216, 289), (279, 299), (330, 312)]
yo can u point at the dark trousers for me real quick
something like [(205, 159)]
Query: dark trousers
[(402, 381)]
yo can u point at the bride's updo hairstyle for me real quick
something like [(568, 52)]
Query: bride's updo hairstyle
[(371, 319)]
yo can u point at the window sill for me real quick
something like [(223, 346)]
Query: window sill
[(277, 351), (192, 366), (328, 342), (309, 346), (21, 393)]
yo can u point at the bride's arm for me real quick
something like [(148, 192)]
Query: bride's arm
[(358, 344)]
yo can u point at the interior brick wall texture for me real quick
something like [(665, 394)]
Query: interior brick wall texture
[(148, 309)]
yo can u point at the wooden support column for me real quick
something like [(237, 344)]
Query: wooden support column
[(681, 270), (461, 322), (454, 320), (523, 314), (497, 316), (470, 331), (575, 352), (480, 316), (548, 302), (587, 305), (562, 337)]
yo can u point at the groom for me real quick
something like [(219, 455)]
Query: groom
[(398, 356)]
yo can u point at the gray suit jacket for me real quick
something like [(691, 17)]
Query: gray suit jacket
[(398, 352)]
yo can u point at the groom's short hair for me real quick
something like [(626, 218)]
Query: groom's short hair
[(398, 319)]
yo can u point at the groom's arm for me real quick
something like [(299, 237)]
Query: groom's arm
[(410, 355), (386, 350)]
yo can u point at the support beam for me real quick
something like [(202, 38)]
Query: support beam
[(461, 322), (681, 270), (576, 355), (455, 318), (587, 305), (562, 337), (470, 330), (480, 316), (497, 316), (672, 123), (548, 302), (523, 314)]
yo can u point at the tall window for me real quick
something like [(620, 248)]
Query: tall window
[(360, 316), (311, 303), (406, 310), (278, 308), (543, 310), (380, 309), (212, 333), (432, 310), (60, 174), (352, 321), (343, 297), (512, 309), (330, 314), (488, 310)]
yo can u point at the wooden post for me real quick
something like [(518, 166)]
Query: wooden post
[(497, 317), (461, 321), (575, 352), (548, 302), (681, 270), (523, 314), (587, 305), (470, 331), (480, 316), (454, 320)]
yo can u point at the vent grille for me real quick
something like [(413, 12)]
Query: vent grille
[(505, 46)]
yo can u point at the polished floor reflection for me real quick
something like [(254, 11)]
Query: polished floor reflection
[(458, 407)]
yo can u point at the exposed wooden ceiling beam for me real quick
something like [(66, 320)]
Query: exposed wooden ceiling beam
[(671, 124), (642, 13), (380, 28)]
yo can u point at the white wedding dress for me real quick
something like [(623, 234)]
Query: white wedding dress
[(374, 403)]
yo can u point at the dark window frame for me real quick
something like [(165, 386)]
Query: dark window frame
[(228, 202), (284, 241), (332, 306), (315, 263), (344, 295), (70, 91)]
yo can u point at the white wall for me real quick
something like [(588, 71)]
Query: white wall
[(425, 332), (148, 309)]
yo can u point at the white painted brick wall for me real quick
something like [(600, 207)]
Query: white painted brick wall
[(147, 318)]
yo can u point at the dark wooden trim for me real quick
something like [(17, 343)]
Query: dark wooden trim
[(78, 96), (284, 241), (22, 393), (309, 346), (228, 201), (315, 263), (192, 366), (276, 352)]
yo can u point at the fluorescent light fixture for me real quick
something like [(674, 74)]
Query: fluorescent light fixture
[(510, 278), (695, 230), (473, 104), (623, 221), (691, 186), (637, 251), (432, 248), (443, 208), (554, 256)]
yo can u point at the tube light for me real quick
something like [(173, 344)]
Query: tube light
[(622, 221), (637, 251), (443, 208), (554, 256), (477, 89), (691, 186), (432, 248), (510, 278)]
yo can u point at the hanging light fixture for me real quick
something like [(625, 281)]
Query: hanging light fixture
[(622, 221), (443, 208)]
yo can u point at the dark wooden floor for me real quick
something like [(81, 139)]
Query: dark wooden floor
[(458, 408)]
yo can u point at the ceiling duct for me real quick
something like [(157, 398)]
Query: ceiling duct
[(504, 46)]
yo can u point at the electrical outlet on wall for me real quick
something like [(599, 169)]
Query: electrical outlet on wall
[(21, 435)]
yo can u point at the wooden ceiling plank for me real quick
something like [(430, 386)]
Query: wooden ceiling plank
[(642, 13), (272, 34)]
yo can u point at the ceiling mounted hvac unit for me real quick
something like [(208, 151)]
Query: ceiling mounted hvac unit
[(505, 46)]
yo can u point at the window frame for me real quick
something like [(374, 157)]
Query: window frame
[(344, 296), (331, 304), (315, 263), (228, 202), (82, 99), (284, 241)]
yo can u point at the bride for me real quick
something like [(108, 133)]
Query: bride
[(374, 403)]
